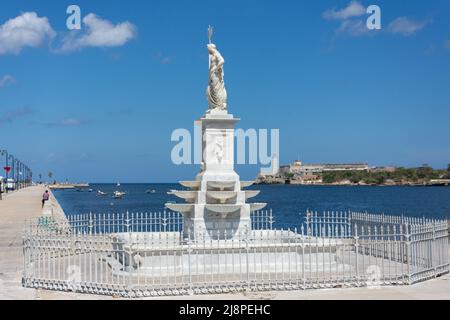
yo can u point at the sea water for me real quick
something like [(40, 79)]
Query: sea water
[(288, 202)]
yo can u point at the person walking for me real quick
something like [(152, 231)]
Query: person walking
[(45, 197)]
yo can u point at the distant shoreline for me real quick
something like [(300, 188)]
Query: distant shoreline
[(267, 183), (353, 185)]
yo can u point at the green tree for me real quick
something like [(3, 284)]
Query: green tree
[(355, 179), (380, 179), (290, 175), (370, 180), (327, 178)]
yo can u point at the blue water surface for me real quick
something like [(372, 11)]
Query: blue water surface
[(287, 202)]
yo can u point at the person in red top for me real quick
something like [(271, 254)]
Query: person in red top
[(45, 197)]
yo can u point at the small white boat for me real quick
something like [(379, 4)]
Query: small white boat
[(101, 193), (118, 194), (91, 190), (150, 191)]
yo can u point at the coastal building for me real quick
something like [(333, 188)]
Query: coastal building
[(300, 173), (346, 167), (383, 169), (298, 168), (274, 168)]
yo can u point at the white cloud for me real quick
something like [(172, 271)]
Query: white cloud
[(60, 157), (353, 9), (30, 30), (14, 114), (163, 59), (166, 60), (351, 20), (7, 80), (353, 28), (70, 122), (66, 122), (447, 44), (99, 33), (26, 30), (405, 26)]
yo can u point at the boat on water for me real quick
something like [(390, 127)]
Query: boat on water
[(150, 191), (118, 194), (101, 193), (91, 190)]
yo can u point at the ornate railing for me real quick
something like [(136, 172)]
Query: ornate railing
[(149, 254)]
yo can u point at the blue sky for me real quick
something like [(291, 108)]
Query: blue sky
[(104, 109)]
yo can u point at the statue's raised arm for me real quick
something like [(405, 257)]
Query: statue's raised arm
[(216, 93)]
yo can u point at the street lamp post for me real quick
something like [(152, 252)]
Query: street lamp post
[(27, 176), (2, 153), (25, 169), (16, 177), (24, 176), (13, 167), (20, 176), (19, 168), (5, 153), (20, 173)]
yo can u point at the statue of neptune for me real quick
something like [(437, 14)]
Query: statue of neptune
[(216, 93)]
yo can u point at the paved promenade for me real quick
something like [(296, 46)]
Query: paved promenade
[(16, 207)]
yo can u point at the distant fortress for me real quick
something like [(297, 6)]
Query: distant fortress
[(299, 168), (300, 173)]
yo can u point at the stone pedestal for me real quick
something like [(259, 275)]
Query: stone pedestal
[(216, 206)]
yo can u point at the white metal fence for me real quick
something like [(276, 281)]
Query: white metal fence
[(148, 254)]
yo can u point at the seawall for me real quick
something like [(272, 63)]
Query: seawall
[(53, 208)]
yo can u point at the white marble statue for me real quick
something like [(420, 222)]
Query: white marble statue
[(216, 93)]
